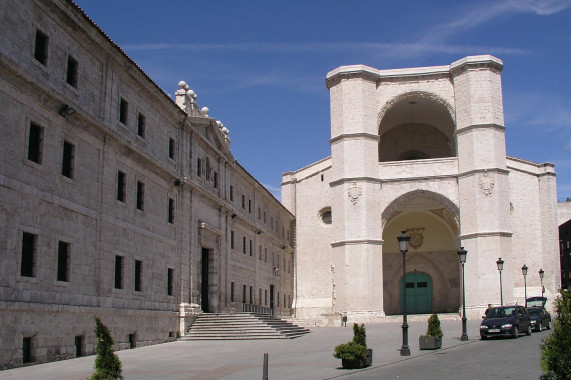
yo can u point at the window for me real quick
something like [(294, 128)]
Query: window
[(264, 217), (251, 252), (170, 281), (231, 239), (171, 211), (68, 159), (118, 272), (260, 297), (141, 125), (27, 350), (265, 255), (251, 295), (231, 193), (216, 180), (284, 264), (78, 346), (63, 256), (231, 292), (285, 304), (243, 201), (121, 184), (326, 216), (171, 148), (243, 293), (35, 140), (141, 196), (259, 213), (278, 297), (207, 169), (138, 275), (272, 222), (265, 297), (260, 253), (29, 245), (199, 167), (72, 71), (322, 177), (244, 245), (41, 47), (250, 206), (123, 110)]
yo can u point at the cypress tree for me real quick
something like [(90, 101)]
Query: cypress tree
[(556, 349), (107, 363)]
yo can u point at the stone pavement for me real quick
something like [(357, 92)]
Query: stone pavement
[(307, 357)]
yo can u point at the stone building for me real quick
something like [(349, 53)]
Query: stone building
[(421, 150), (118, 200)]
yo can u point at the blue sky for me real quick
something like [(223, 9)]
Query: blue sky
[(260, 66)]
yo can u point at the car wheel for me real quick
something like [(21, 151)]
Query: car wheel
[(483, 337), (515, 333), (548, 327), (528, 331), (537, 328)]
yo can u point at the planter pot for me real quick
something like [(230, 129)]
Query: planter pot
[(429, 343), (354, 364)]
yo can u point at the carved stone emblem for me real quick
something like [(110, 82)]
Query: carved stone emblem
[(416, 237), (354, 192), (486, 184)]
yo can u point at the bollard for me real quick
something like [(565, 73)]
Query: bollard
[(265, 377)]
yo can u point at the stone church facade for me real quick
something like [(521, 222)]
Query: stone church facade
[(421, 150), (118, 200)]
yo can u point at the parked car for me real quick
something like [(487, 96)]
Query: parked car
[(540, 317), (505, 321)]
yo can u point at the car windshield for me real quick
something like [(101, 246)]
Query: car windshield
[(501, 312), (534, 311), (535, 302)]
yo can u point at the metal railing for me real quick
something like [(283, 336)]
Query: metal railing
[(249, 308)]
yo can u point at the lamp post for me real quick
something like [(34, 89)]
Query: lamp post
[(500, 264), (462, 255), (403, 239), (541, 274), (524, 272)]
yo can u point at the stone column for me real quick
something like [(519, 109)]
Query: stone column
[(483, 185)]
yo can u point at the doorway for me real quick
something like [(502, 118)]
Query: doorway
[(418, 293), (204, 281)]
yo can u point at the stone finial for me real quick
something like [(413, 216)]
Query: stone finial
[(182, 84), (204, 111), (190, 93), (219, 124)]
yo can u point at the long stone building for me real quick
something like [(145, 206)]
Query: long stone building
[(118, 200), (420, 150)]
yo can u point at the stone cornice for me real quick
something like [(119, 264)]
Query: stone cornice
[(474, 235), (484, 170), (469, 128), (476, 62), (348, 136), (342, 243)]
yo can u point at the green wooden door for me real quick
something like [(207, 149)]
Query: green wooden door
[(418, 293)]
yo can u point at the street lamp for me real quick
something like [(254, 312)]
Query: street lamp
[(462, 255), (500, 264), (541, 274), (403, 239), (524, 272)]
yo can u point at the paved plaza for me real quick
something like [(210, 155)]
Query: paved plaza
[(310, 357)]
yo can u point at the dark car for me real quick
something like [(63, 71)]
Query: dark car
[(540, 317), (505, 321)]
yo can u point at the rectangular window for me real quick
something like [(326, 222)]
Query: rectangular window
[(171, 148), (35, 140), (265, 297), (231, 239), (250, 206), (68, 159), (244, 245), (216, 180), (265, 255), (243, 201), (123, 110), (170, 281), (78, 346), (29, 245), (278, 297), (231, 193), (63, 256), (27, 350), (199, 167), (260, 253), (284, 264), (260, 296), (138, 275), (251, 295), (285, 304), (231, 292), (141, 196), (251, 249), (171, 211), (264, 217), (121, 184), (141, 125), (72, 71), (118, 272), (41, 47), (243, 293)]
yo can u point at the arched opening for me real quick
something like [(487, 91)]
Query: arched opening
[(416, 126), (432, 268)]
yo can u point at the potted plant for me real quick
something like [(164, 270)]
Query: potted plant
[(355, 353), (432, 340)]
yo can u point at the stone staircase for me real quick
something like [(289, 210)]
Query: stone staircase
[(241, 326)]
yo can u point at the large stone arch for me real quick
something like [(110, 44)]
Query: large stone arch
[(394, 207), (411, 95)]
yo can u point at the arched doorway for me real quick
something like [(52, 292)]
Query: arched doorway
[(418, 293)]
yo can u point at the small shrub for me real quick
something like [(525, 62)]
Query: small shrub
[(350, 351), (359, 334), (433, 330), (107, 363), (555, 351)]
